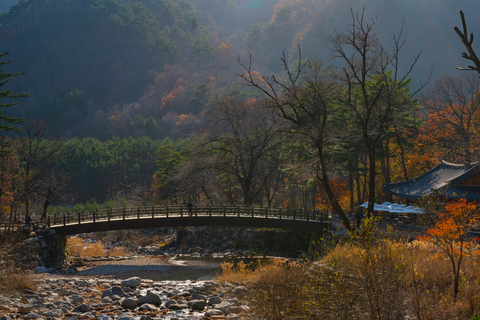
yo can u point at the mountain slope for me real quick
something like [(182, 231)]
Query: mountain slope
[(134, 67)]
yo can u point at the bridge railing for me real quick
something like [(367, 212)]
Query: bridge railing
[(166, 211)]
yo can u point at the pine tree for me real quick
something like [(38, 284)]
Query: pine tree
[(7, 98)]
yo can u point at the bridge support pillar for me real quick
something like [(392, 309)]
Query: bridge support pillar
[(179, 235)]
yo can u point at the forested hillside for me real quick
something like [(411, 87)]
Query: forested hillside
[(164, 100), (151, 67)]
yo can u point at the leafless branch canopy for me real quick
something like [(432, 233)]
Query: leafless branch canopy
[(471, 55)]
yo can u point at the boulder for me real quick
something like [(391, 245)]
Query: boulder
[(151, 298), (214, 300), (131, 282), (129, 304), (115, 290), (240, 291), (25, 308), (198, 305), (81, 308)]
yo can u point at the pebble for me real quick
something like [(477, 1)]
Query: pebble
[(99, 298)]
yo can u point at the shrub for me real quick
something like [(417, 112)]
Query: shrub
[(275, 287)]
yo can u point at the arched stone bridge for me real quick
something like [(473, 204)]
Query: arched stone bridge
[(178, 216)]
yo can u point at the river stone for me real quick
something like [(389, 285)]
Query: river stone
[(61, 303), (240, 291), (81, 308), (151, 298), (29, 293), (115, 290), (225, 304), (147, 307), (131, 282), (5, 303), (184, 294), (107, 300), (233, 309), (41, 269), (197, 296), (197, 304), (170, 303), (53, 314), (63, 292), (25, 308), (214, 300), (75, 299), (179, 306), (129, 304), (213, 312)]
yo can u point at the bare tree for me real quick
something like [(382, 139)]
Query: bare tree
[(245, 137), (37, 153), (453, 107), (305, 98), (467, 42), (377, 93), (197, 175)]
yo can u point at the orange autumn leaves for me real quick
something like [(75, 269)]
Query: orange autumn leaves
[(453, 224)]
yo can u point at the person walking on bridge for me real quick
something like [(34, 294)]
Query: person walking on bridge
[(190, 208)]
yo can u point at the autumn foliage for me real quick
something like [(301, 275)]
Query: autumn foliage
[(450, 235)]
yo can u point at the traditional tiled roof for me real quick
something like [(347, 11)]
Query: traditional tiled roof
[(443, 179)]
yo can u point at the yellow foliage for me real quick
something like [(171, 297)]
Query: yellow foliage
[(81, 248)]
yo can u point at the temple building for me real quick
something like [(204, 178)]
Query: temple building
[(453, 181)]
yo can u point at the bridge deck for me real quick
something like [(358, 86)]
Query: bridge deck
[(175, 216)]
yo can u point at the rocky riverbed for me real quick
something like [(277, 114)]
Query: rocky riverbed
[(101, 297)]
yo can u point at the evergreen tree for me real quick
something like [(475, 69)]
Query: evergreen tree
[(6, 99)]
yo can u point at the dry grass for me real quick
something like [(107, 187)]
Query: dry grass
[(82, 248), (241, 272), (275, 286), (13, 277), (379, 280)]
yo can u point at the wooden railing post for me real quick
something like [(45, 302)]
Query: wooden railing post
[(196, 211), (124, 209), (294, 211), (54, 218), (181, 211), (138, 212), (253, 212), (94, 214), (308, 216), (79, 218), (266, 212), (166, 210), (109, 213), (153, 212), (64, 220), (280, 213)]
